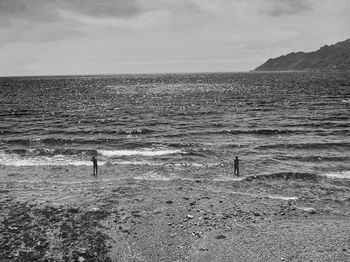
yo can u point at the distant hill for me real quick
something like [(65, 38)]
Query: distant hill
[(333, 57)]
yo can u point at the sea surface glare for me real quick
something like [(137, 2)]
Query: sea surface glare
[(274, 122)]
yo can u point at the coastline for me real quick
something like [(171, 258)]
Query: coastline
[(63, 213)]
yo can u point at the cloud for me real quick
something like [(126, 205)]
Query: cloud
[(49, 11), (287, 7), (108, 8), (31, 10), (106, 36), (50, 20)]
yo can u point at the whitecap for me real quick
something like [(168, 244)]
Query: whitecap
[(340, 174), (140, 152)]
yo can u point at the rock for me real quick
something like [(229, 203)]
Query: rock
[(220, 237), (308, 210), (169, 202), (190, 216), (256, 214), (94, 209), (136, 213), (81, 259), (124, 229), (197, 234)]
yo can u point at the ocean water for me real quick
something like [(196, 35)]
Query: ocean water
[(274, 122)]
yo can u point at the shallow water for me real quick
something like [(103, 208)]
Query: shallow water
[(274, 122)]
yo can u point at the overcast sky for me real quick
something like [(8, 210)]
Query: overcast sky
[(44, 37)]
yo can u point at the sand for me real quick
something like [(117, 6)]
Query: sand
[(131, 213)]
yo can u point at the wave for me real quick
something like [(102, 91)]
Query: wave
[(90, 152), (284, 175), (315, 158), (140, 152), (339, 174), (297, 175), (52, 152), (265, 132), (182, 145), (58, 160), (324, 124), (28, 142), (61, 160), (261, 131), (102, 132), (306, 146)]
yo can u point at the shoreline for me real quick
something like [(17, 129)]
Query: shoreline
[(287, 217)]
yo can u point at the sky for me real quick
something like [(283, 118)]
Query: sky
[(67, 37)]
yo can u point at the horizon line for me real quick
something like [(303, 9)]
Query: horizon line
[(121, 74)]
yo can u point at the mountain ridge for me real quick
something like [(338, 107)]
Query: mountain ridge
[(327, 58)]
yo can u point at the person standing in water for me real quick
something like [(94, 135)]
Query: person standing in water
[(94, 161), (236, 165)]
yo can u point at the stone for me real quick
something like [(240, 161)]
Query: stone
[(310, 210), (220, 237), (124, 229), (190, 216), (169, 202)]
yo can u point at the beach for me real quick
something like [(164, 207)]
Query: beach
[(174, 131), (165, 145), (63, 213)]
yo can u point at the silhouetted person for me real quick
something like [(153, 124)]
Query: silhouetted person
[(94, 161), (236, 165)]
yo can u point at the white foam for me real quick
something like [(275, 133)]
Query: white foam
[(142, 152), (40, 162), (58, 160), (340, 174), (61, 160)]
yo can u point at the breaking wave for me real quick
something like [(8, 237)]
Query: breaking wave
[(140, 152), (339, 174), (307, 146)]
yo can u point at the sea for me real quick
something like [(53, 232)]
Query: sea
[(273, 122)]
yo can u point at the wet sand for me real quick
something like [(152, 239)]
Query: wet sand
[(133, 213)]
